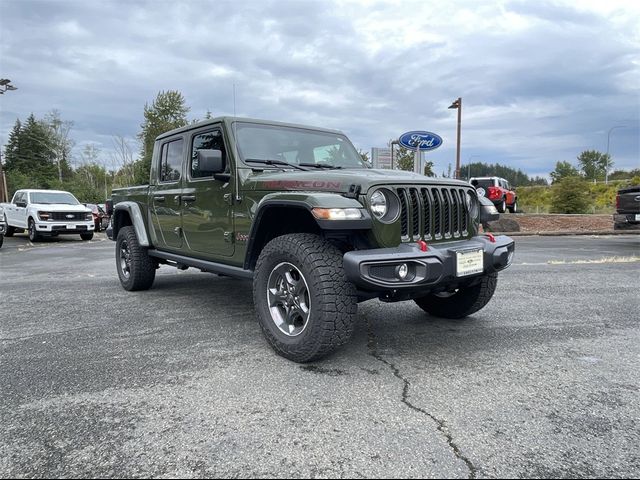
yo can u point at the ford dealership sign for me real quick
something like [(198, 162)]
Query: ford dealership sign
[(420, 140)]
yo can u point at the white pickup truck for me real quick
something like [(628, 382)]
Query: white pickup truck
[(47, 213)]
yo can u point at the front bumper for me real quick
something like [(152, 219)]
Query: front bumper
[(62, 228), (376, 270)]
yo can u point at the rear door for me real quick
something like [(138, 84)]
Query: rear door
[(17, 215), (166, 195)]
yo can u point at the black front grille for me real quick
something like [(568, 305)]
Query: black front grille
[(433, 213), (63, 216)]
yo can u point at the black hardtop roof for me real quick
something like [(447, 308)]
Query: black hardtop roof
[(229, 120)]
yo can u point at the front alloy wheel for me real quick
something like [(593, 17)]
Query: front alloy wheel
[(288, 299)]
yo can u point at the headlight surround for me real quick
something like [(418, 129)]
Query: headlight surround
[(472, 205), (89, 216), (44, 216), (385, 205)]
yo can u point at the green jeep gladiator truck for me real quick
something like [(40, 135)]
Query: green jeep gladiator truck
[(297, 210)]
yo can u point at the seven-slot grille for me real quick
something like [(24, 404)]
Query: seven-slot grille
[(433, 213), (62, 216)]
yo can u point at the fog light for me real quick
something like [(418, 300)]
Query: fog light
[(402, 271)]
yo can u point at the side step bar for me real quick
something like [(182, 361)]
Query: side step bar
[(204, 265)]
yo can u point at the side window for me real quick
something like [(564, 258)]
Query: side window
[(211, 140), (20, 197), (171, 161)]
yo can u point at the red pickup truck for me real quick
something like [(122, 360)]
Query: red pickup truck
[(498, 191)]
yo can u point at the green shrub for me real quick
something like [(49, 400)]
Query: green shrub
[(571, 195)]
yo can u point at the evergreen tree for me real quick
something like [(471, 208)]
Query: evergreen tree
[(168, 111), (12, 148)]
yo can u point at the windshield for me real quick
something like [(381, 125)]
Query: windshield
[(54, 197), (296, 146)]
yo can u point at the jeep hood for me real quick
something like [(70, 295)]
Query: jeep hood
[(339, 181)]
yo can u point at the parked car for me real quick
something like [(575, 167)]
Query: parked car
[(47, 213), (627, 208), (100, 217), (3, 225), (498, 191)]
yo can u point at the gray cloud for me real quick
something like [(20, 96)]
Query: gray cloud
[(540, 81)]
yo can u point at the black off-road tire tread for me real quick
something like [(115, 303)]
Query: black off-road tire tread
[(1, 240), (514, 207), (143, 267), (334, 316), (86, 236), (464, 303), (502, 206), (10, 231)]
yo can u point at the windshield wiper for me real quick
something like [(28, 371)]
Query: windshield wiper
[(273, 162), (321, 165)]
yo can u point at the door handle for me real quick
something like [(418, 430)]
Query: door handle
[(158, 198), (188, 198)]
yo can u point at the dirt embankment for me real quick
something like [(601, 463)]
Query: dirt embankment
[(560, 223)]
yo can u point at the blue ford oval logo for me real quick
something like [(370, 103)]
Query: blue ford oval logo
[(420, 140)]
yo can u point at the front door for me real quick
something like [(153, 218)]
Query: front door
[(207, 209), (166, 199)]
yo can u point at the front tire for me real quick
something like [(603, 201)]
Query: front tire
[(305, 305), (1, 240), (34, 236), (464, 302), (136, 269), (514, 208), (86, 236)]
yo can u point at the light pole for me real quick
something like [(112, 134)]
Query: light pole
[(5, 85), (458, 105), (606, 167)]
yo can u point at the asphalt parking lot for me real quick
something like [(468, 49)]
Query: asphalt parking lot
[(179, 382)]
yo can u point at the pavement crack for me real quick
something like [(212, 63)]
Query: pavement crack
[(441, 425)]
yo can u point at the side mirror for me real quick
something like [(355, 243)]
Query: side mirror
[(108, 207), (210, 162), (21, 204), (488, 211)]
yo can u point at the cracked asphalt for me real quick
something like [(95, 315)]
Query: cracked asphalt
[(179, 382)]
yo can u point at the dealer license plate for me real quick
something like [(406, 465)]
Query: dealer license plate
[(469, 262), (71, 227), (637, 217)]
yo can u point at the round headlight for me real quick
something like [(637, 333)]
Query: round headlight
[(379, 204), (472, 205)]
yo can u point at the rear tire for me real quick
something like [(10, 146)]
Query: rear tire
[(462, 303), (305, 305), (136, 269), (86, 236), (502, 206)]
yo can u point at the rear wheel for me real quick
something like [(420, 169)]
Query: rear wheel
[(34, 236), (306, 307), (136, 269), (502, 206), (461, 303)]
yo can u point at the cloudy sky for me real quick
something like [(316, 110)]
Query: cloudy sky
[(541, 81)]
